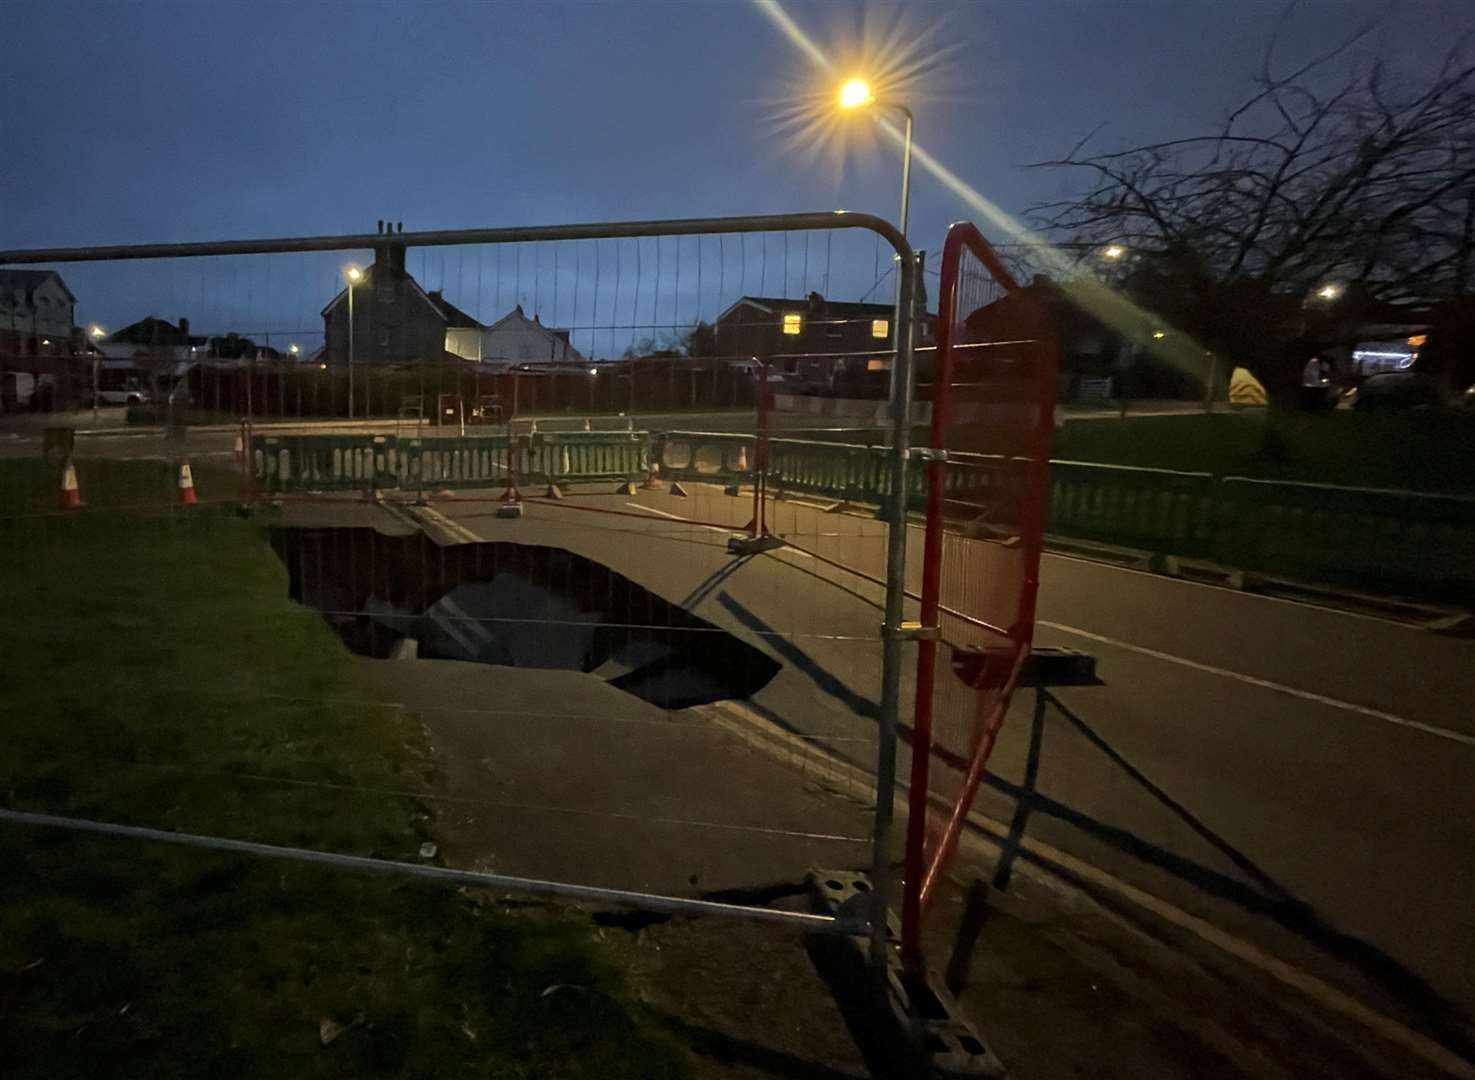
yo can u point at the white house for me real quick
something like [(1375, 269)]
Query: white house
[(516, 339)]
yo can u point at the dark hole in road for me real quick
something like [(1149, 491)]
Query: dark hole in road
[(515, 605)]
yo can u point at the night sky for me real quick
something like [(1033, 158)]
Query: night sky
[(188, 121)]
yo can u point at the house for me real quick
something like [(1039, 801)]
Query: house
[(37, 314), (395, 320), (767, 327), (516, 339)]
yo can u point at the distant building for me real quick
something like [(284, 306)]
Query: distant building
[(767, 326), (37, 314), (395, 320), (516, 339), (829, 345)]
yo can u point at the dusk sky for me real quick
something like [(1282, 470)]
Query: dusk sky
[(188, 121)]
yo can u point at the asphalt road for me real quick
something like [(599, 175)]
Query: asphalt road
[(1301, 777)]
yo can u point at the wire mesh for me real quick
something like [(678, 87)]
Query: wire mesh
[(993, 414), (491, 595)]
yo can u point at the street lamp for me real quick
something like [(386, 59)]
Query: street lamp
[(293, 349), (1113, 252), (856, 94), (354, 274), (96, 332), (1329, 292)]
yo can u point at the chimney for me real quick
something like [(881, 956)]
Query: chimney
[(400, 226), (379, 227), (184, 326)]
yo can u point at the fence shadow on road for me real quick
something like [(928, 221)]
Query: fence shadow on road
[(1442, 1020), (1265, 897)]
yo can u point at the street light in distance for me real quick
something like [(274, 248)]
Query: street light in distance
[(1329, 292), (354, 274), (1113, 252)]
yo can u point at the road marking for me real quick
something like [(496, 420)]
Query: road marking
[(456, 529), (678, 517), (1266, 684)]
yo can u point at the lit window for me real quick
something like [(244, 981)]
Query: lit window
[(793, 323), (880, 328), (1418, 340)]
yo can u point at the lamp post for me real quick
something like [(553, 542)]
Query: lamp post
[(96, 333), (353, 273), (856, 94)]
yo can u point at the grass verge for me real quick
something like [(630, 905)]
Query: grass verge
[(1418, 451), (157, 674)]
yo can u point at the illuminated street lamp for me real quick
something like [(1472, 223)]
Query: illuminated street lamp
[(1113, 252), (856, 94), (1158, 335), (293, 349), (96, 332), (354, 275), (1329, 292)]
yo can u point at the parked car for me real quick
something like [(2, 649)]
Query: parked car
[(1399, 390)]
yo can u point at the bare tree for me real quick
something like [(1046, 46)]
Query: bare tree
[(1367, 182)]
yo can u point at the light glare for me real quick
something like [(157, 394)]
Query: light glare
[(855, 93)]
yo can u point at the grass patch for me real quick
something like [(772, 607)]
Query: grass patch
[(1419, 451), (157, 674)]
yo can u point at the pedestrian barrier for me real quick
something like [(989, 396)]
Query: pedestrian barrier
[(1369, 536), (286, 463), (1319, 532), (282, 463), (1156, 509)]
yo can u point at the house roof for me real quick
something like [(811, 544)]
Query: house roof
[(28, 280), (518, 317), (454, 316), (152, 330)]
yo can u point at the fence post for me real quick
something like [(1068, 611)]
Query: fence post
[(891, 630)]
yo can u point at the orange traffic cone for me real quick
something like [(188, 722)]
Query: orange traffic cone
[(71, 495), (186, 485)]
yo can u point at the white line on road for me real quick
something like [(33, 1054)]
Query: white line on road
[(1266, 684), (678, 517), (456, 529)]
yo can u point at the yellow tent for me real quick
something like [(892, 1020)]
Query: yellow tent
[(1245, 389)]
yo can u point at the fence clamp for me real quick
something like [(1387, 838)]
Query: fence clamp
[(926, 453), (912, 631)]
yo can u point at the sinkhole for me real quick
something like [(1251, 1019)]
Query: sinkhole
[(514, 605)]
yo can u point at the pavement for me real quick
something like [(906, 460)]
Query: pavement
[(1295, 779)]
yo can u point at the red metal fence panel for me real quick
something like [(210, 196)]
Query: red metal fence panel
[(993, 413)]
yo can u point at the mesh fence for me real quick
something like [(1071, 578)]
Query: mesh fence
[(451, 578)]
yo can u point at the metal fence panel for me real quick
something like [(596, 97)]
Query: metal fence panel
[(387, 411), (985, 527)]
